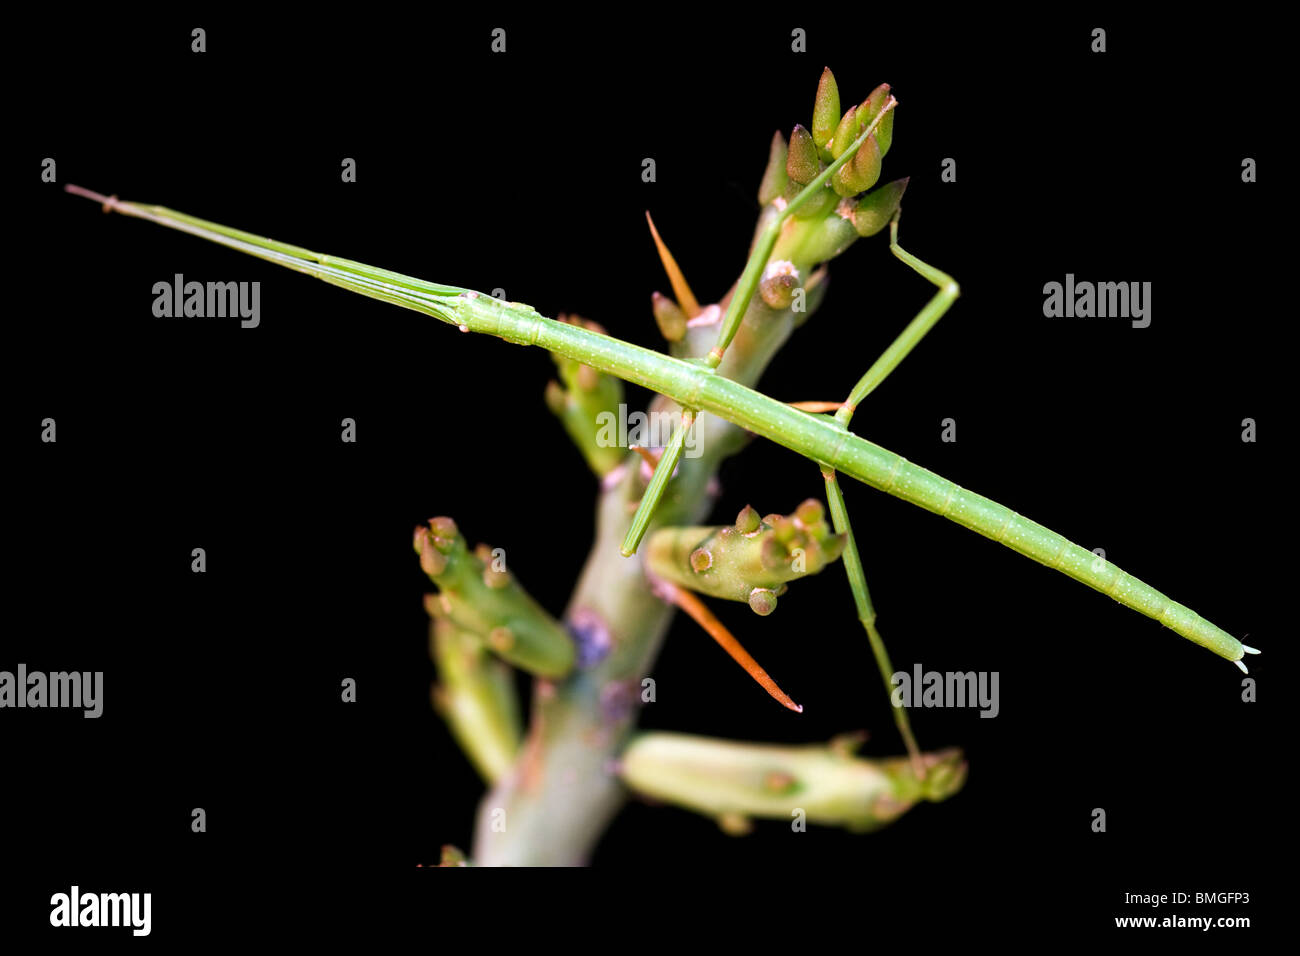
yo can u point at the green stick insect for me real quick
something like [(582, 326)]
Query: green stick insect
[(818, 198)]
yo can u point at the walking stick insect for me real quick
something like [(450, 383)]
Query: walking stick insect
[(818, 198)]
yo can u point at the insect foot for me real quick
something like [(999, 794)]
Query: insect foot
[(936, 777), (750, 560), (488, 601)]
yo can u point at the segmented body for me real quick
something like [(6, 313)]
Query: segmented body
[(696, 386)]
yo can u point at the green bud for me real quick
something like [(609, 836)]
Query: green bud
[(802, 164), (783, 529), (444, 534), (844, 132), (810, 513), (762, 601), (829, 237), (751, 566), (840, 181), (748, 520), (432, 561), (492, 605), (826, 110), (817, 206), (862, 171), (476, 696), (871, 108), (775, 176), (670, 319), (875, 209)]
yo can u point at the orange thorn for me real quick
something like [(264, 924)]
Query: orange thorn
[(705, 618), (685, 298), (816, 406)]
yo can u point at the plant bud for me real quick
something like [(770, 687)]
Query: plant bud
[(870, 108), (862, 171), (810, 513), (845, 132), (432, 561), (750, 561), (779, 281), (801, 163), (762, 601), (783, 529), (816, 206), (775, 176), (832, 547), (444, 528), (748, 521), (670, 319), (826, 110), (829, 238), (875, 209)]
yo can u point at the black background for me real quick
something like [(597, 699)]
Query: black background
[(522, 171)]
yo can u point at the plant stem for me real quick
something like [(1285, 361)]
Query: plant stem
[(564, 791)]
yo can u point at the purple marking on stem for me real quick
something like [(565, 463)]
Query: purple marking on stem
[(618, 700), (591, 637)]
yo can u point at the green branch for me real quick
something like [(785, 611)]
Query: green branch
[(733, 781), (486, 600), (475, 695)]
